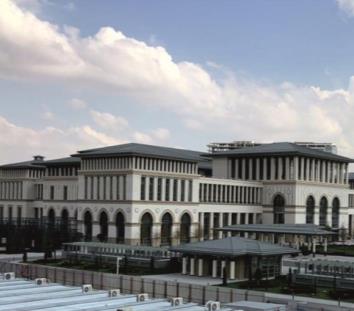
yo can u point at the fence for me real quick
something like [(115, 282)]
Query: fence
[(157, 288)]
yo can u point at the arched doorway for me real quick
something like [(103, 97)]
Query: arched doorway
[(310, 210), (103, 236), (51, 217), (335, 213), (146, 229), (65, 218), (88, 226), (279, 209), (323, 211), (120, 226), (185, 228), (166, 229)]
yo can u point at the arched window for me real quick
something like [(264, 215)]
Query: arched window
[(103, 227), (323, 211), (88, 226), (279, 209), (310, 210), (166, 229), (185, 228), (146, 229), (64, 218), (335, 213), (120, 225), (51, 217)]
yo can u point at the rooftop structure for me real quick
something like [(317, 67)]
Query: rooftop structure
[(226, 146), (19, 294)]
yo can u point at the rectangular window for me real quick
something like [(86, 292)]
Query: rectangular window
[(1, 213), (51, 192), (183, 189), (167, 190), (159, 189), (175, 188), (10, 213), (19, 214), (234, 219), (124, 187), (86, 184), (142, 188), (111, 187), (65, 194), (151, 188)]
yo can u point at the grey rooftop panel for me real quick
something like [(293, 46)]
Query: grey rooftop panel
[(144, 150), (233, 246), (279, 149), (303, 229)]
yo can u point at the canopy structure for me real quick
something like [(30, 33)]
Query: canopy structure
[(234, 257), (299, 229), (284, 234), (233, 247)]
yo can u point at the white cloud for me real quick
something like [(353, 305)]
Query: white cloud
[(109, 121), (37, 50), (347, 6), (156, 136), (48, 116), (77, 104)]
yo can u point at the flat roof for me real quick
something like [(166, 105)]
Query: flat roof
[(117, 246), (233, 247), (303, 229), (280, 149), (20, 294)]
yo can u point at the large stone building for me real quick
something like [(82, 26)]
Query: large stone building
[(142, 194)]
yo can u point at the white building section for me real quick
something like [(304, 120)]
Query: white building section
[(150, 195)]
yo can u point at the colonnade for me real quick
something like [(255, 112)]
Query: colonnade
[(288, 168)]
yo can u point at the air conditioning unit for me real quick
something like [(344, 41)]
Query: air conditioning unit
[(41, 281), (9, 276), (86, 288), (114, 292), (142, 297), (213, 305), (176, 301)]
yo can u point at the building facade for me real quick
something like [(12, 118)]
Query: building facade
[(150, 195)]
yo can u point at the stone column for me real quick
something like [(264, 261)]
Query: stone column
[(200, 267), (296, 168), (325, 245), (221, 224), (232, 270), (184, 265), (201, 226), (302, 172), (211, 231), (313, 161), (215, 268), (229, 222), (191, 271), (314, 245)]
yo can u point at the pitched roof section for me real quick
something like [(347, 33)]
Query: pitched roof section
[(24, 165), (63, 161), (144, 150), (278, 149), (233, 246)]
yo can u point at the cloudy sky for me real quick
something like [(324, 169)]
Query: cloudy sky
[(82, 74)]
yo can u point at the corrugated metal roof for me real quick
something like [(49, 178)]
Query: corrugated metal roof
[(19, 294), (233, 246), (278, 149)]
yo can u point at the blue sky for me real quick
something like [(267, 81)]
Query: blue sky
[(180, 73)]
